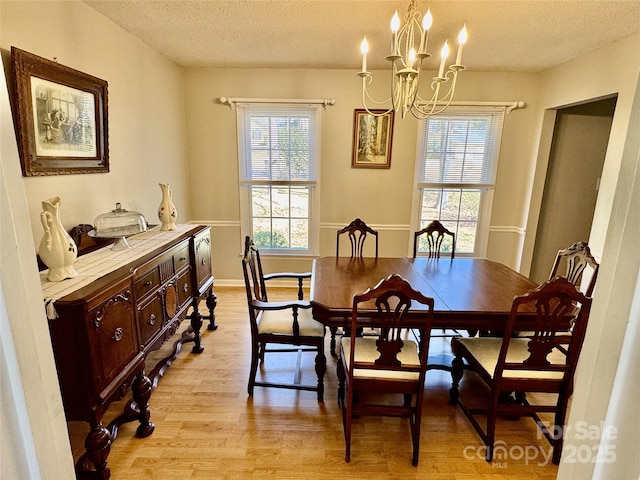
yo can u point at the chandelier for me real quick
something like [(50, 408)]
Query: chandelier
[(408, 50)]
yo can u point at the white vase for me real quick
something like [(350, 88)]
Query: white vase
[(57, 249), (167, 212)]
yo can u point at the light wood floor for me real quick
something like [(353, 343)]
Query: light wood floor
[(206, 427)]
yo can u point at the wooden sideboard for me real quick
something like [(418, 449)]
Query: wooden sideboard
[(105, 329)]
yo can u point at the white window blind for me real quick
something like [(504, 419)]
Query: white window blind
[(278, 143), (460, 148), (279, 151)]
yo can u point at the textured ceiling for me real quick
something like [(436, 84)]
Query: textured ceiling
[(513, 35)]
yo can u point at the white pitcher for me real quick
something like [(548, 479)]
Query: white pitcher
[(57, 249), (167, 212)]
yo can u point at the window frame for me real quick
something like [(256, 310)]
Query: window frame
[(486, 188), (245, 185)]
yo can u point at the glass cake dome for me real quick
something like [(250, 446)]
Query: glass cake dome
[(119, 224)]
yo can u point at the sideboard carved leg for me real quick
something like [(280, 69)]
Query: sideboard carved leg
[(141, 391), (196, 325), (97, 445), (212, 302)]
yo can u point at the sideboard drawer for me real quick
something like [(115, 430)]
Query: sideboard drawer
[(147, 283), (181, 258), (185, 289), (150, 319)]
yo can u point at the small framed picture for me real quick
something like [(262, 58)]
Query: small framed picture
[(372, 135), (62, 118)]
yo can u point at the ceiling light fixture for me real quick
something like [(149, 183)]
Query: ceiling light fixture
[(408, 50)]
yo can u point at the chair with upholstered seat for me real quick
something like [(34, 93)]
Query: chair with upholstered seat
[(431, 238), (542, 363), (284, 322), (357, 232), (390, 364), (576, 259)]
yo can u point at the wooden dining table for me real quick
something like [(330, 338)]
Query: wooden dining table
[(468, 293)]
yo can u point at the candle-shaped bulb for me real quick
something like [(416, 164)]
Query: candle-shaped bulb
[(412, 56), (444, 53), (395, 23), (427, 20), (462, 36), (395, 26), (364, 48), (462, 39)]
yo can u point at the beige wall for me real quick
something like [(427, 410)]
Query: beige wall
[(382, 198), (147, 142), (147, 138), (613, 69)]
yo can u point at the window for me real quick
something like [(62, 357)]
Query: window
[(278, 147), (455, 172)]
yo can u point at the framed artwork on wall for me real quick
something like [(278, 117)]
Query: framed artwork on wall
[(372, 136), (62, 120)]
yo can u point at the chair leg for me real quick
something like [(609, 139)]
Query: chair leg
[(333, 331), (345, 408), (347, 428), (321, 368), (415, 433), (254, 369), (558, 428), (457, 371), (489, 437), (341, 380)]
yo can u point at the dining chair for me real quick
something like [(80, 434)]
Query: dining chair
[(576, 259), (542, 363), (390, 363), (431, 237), (286, 323), (357, 232)]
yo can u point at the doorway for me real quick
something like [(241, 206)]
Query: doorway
[(578, 148)]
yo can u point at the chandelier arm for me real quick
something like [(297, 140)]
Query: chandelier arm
[(365, 96), (436, 105)]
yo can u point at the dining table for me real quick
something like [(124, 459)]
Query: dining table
[(472, 294)]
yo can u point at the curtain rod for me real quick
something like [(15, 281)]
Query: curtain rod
[(509, 106), (325, 102)]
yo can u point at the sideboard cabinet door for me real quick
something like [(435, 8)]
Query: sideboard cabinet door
[(202, 248), (112, 335)]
